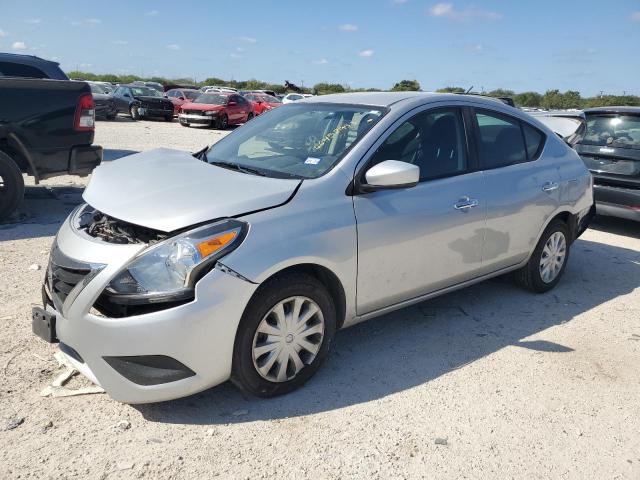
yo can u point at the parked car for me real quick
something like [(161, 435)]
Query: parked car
[(292, 97), (267, 92), (142, 102), (155, 85), (46, 129), (312, 218), (262, 102), (608, 140), (29, 66), (180, 96), (217, 110), (219, 88), (104, 102)]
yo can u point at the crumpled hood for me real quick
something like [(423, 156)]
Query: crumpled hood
[(168, 190), (206, 107)]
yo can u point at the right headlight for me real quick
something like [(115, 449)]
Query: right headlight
[(169, 269)]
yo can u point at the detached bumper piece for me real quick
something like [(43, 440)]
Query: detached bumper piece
[(150, 369), (43, 324), (84, 159)]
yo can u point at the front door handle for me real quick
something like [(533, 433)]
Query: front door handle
[(465, 203), (550, 187)]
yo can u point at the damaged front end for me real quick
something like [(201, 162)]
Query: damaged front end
[(164, 273)]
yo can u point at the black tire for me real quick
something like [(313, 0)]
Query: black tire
[(168, 118), (249, 117), (223, 122), (244, 373), (529, 276), (112, 116), (184, 124), (11, 185), (135, 114)]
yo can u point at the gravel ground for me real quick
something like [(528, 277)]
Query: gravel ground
[(487, 382)]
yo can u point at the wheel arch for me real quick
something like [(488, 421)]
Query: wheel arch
[(325, 276)]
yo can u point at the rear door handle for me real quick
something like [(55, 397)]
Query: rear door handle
[(550, 187), (465, 203)]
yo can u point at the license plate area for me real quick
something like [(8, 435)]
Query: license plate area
[(43, 324)]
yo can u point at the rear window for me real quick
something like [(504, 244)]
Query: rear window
[(622, 131), (16, 70)]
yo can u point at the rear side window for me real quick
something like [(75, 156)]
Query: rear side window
[(533, 139), (16, 70), (501, 140)]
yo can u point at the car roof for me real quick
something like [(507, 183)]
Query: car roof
[(26, 59), (614, 109), (386, 99)]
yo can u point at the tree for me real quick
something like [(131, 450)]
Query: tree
[(406, 86), (501, 92), (325, 88), (451, 90), (528, 99), (553, 99)]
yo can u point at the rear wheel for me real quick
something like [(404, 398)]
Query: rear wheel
[(168, 118), (249, 117), (548, 261), (11, 185), (284, 335)]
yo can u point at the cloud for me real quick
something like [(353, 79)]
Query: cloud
[(240, 49), (152, 13), (235, 55), (321, 61), (3, 33), (447, 10), (19, 46), (33, 21), (87, 22), (173, 46), (366, 53), (120, 42), (348, 27), (635, 16), (248, 39), (399, 2), (474, 47)]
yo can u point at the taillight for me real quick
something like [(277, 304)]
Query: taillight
[(85, 113)]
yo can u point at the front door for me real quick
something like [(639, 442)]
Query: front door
[(418, 240)]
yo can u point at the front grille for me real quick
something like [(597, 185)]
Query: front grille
[(66, 277), (193, 112)]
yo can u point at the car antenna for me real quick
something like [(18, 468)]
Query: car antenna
[(470, 88)]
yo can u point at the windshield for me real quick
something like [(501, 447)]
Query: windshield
[(145, 92), (297, 140), (270, 99), (191, 94), (621, 131), (211, 99)]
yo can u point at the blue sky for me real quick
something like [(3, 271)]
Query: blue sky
[(522, 45)]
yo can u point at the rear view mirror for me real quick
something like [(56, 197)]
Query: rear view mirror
[(391, 174)]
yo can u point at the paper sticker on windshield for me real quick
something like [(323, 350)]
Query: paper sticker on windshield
[(312, 161)]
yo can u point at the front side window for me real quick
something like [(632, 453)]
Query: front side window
[(501, 140), (622, 131), (433, 140), (302, 141)]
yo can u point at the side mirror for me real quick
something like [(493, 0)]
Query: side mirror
[(391, 174), (180, 98), (259, 102), (127, 95), (232, 104)]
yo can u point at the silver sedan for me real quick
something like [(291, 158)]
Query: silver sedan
[(243, 260)]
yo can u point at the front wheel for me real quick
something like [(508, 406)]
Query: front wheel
[(284, 335), (168, 118), (223, 122), (548, 261), (135, 114), (249, 117)]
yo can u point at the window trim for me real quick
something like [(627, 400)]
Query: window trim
[(495, 113), (363, 166)]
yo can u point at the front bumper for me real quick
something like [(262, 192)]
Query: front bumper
[(189, 119), (146, 111), (617, 201), (198, 335), (84, 159)]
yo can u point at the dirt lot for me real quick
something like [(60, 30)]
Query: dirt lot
[(487, 382)]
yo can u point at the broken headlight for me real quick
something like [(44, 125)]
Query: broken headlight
[(168, 270)]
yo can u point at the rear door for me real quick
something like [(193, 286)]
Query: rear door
[(417, 240), (522, 188)]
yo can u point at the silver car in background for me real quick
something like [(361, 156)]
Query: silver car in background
[(242, 261)]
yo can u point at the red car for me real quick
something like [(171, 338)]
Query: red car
[(262, 102), (217, 110), (180, 96)]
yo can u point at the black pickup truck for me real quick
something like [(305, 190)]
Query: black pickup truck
[(46, 129)]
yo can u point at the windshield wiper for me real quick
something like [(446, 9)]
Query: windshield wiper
[(239, 168), (202, 154)]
